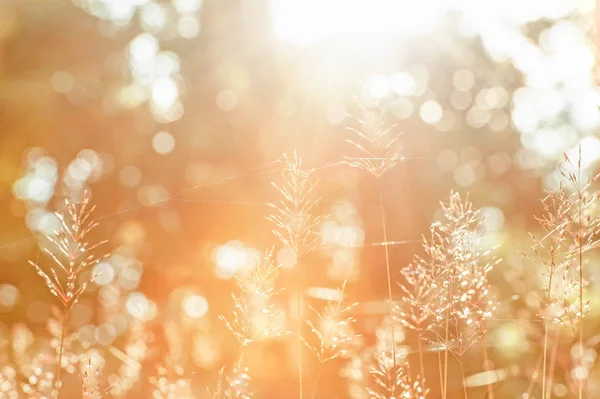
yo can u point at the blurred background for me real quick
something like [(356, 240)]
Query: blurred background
[(174, 113)]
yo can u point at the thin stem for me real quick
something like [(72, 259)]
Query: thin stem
[(462, 366), (580, 273), (389, 276), (299, 331), (241, 359), (439, 353), (462, 371), (546, 327), (446, 359), (486, 367), (552, 364), (421, 357), (314, 390), (534, 377), (62, 346), (544, 361)]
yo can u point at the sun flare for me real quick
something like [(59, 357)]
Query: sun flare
[(306, 22)]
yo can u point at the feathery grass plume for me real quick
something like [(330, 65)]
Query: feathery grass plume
[(70, 252), (462, 281), (71, 255), (294, 216), (333, 331), (380, 153), (419, 296), (570, 231), (295, 221), (392, 381), (457, 271), (558, 252), (373, 138), (255, 315), (90, 383)]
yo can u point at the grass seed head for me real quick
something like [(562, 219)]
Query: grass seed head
[(374, 140), (70, 252), (295, 216)]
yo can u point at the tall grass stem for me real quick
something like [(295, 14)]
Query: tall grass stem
[(61, 349), (388, 271), (486, 360), (552, 364)]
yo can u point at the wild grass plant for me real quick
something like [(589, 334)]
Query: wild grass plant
[(295, 221), (71, 255), (377, 145), (438, 307), (570, 232)]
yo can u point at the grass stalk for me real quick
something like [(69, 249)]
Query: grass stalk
[(71, 254), (63, 334), (462, 371), (544, 355), (552, 365), (241, 359), (421, 364), (546, 330), (299, 332), (486, 360), (580, 271), (389, 275), (534, 377), (316, 383), (441, 374), (444, 396), (298, 205)]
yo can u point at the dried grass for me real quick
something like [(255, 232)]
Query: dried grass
[(374, 140), (392, 381), (447, 298), (447, 293), (295, 219), (255, 314), (570, 231), (295, 215), (90, 383), (380, 152), (333, 331), (71, 255)]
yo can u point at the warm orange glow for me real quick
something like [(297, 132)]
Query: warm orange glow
[(299, 199)]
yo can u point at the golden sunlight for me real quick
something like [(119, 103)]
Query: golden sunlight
[(299, 199), (305, 22)]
